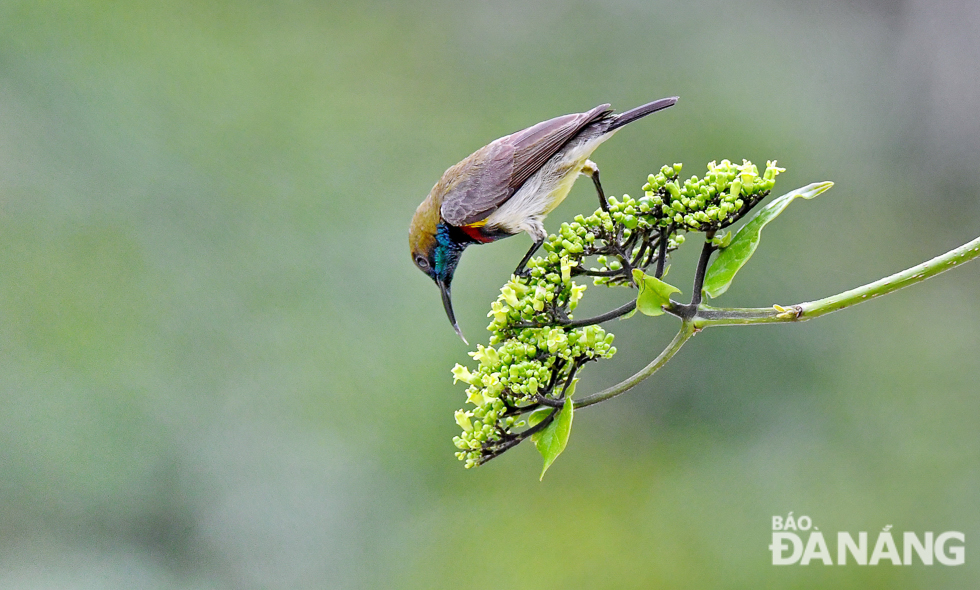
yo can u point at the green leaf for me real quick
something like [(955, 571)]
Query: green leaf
[(654, 293), (722, 241), (551, 441), (731, 259), (536, 417), (571, 388)]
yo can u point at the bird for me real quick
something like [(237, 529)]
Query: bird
[(508, 187)]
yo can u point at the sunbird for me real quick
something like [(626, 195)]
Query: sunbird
[(507, 187)]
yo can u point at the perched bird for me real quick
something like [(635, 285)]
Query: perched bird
[(507, 187)]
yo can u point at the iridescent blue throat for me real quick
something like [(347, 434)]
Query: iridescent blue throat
[(450, 243)]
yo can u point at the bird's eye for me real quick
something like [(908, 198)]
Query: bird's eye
[(422, 262)]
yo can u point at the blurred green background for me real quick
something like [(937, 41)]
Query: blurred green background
[(219, 368)]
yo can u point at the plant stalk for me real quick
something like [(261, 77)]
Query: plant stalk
[(707, 317), (687, 330)]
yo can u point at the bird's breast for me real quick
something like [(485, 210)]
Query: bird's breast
[(533, 201)]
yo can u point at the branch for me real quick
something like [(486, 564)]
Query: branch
[(500, 447), (662, 251), (707, 317), (605, 317), (687, 330), (706, 252), (609, 315), (598, 273)]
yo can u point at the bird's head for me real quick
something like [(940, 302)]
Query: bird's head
[(436, 252)]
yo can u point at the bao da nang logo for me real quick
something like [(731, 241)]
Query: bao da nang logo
[(795, 541)]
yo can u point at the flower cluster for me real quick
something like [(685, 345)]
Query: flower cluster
[(535, 347), (718, 200), (669, 207), (530, 361)]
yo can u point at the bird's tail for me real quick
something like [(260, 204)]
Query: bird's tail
[(640, 112)]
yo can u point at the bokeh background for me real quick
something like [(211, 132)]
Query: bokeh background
[(219, 368)]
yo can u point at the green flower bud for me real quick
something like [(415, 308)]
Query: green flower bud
[(736, 189)]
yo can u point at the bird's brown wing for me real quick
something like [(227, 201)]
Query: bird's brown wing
[(484, 181)]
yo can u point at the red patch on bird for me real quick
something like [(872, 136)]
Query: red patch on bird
[(474, 232)]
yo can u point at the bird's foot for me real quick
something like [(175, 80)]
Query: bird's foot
[(593, 171), (521, 271)]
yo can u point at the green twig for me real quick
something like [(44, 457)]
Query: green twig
[(687, 330), (707, 317)]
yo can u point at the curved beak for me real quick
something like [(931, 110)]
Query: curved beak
[(447, 302)]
